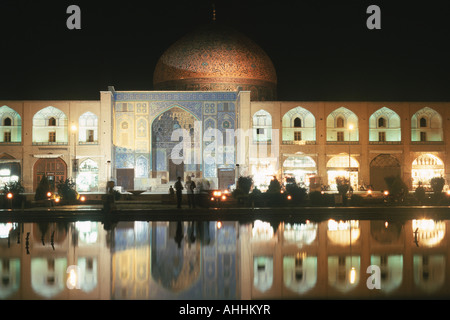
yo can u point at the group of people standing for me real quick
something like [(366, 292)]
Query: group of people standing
[(190, 187)]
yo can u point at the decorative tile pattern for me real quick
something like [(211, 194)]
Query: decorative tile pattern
[(214, 58)]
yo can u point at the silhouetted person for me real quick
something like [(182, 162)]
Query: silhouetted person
[(179, 191), (190, 187)]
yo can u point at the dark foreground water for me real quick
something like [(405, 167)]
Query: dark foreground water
[(364, 259)]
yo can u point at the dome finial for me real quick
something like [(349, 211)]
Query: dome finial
[(214, 12)]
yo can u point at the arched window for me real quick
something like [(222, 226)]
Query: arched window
[(87, 179), (384, 125), (10, 125), (50, 126), (424, 168), (426, 125), (423, 122), (262, 126), (342, 125), (88, 123), (298, 124)]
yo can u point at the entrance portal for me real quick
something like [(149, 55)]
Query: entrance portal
[(125, 178), (55, 169), (163, 127), (175, 171)]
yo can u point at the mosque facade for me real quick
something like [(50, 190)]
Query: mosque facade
[(214, 115)]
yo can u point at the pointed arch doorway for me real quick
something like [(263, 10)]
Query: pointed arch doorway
[(55, 169), (163, 166), (382, 166)]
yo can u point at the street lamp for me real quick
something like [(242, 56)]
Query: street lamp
[(74, 164)]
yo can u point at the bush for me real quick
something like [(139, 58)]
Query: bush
[(437, 184), (297, 193), (256, 196), (398, 190), (419, 194), (343, 185), (66, 190), (245, 184), (16, 188), (274, 186), (42, 189)]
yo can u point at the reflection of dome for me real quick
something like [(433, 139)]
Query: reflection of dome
[(219, 58)]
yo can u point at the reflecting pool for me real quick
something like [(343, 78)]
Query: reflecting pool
[(225, 260)]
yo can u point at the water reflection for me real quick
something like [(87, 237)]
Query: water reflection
[(223, 260)]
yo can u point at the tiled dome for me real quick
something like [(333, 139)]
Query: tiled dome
[(216, 57)]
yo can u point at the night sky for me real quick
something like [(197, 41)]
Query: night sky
[(322, 50)]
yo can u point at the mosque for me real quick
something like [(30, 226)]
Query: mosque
[(216, 78)]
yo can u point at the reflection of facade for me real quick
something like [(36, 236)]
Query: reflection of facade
[(216, 78), (35, 260), (175, 260), (210, 260), (292, 264)]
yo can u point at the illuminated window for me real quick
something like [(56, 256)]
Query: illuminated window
[(262, 126), (338, 166), (10, 125), (50, 119), (301, 120), (425, 167), (89, 135), (9, 170), (345, 120), (429, 121), (52, 136), (88, 123), (87, 179), (387, 121)]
